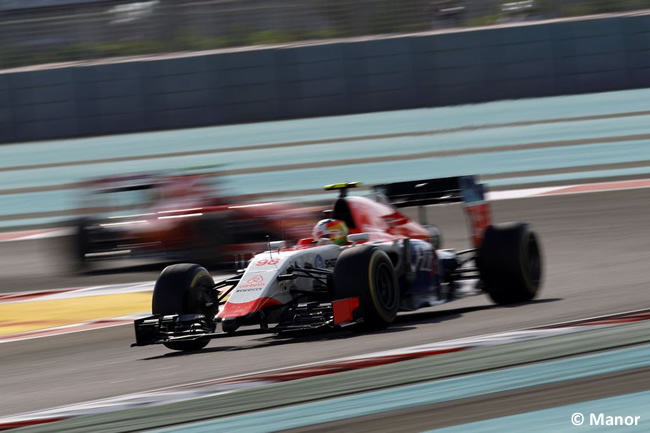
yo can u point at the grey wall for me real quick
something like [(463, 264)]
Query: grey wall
[(350, 77)]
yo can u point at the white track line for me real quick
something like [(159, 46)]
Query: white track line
[(83, 292)]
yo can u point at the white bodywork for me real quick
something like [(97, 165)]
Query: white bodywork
[(259, 286)]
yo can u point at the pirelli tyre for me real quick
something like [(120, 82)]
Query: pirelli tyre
[(510, 263), (367, 272), (185, 289)]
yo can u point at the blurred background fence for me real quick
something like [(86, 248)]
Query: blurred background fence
[(36, 32)]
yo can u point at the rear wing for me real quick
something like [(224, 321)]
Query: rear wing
[(433, 191), (460, 189)]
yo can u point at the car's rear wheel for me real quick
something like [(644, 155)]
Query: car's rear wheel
[(367, 272), (80, 246), (185, 289), (510, 263)]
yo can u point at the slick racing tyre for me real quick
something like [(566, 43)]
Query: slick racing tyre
[(510, 263), (80, 246), (367, 272), (185, 289)]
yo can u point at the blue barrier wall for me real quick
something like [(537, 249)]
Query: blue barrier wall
[(564, 57)]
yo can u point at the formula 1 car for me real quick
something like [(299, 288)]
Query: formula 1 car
[(389, 263), (177, 217)]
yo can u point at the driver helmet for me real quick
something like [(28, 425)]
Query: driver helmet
[(334, 230)]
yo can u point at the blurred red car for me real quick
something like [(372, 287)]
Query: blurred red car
[(178, 217)]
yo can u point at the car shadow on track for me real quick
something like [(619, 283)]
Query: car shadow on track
[(293, 337), (437, 316), (174, 354), (403, 323), (533, 302)]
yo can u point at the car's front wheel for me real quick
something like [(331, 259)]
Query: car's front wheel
[(367, 272), (185, 289)]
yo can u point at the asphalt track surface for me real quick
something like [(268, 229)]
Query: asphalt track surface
[(597, 254)]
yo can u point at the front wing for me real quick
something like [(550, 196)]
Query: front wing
[(159, 329)]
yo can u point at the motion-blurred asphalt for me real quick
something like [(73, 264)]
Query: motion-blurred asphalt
[(597, 254)]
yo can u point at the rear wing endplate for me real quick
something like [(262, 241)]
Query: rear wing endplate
[(459, 189)]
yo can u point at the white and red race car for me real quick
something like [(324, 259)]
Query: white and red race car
[(386, 264)]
